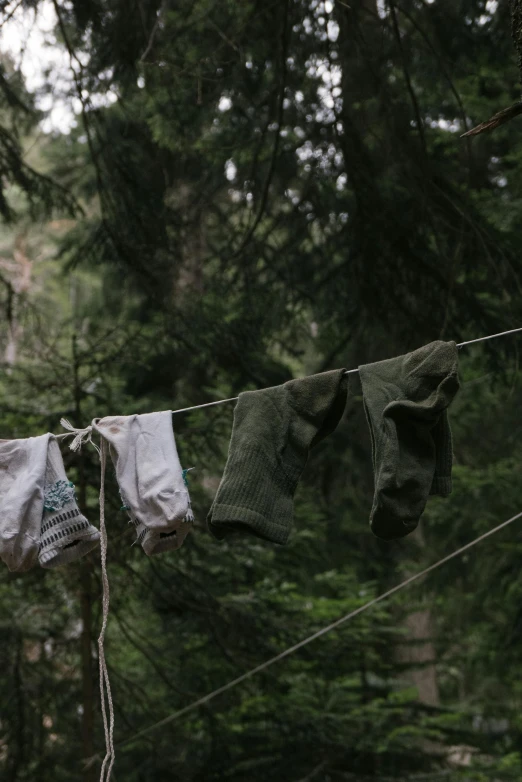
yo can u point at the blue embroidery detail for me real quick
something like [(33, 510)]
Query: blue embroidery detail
[(59, 494)]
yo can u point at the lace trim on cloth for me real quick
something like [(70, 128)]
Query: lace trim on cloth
[(58, 494)]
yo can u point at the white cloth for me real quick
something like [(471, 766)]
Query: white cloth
[(65, 535), (39, 517), (22, 483), (149, 474), (154, 542)]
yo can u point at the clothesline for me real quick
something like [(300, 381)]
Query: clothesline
[(81, 435), (323, 631), (348, 372)]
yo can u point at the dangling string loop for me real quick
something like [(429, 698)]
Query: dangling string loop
[(81, 435), (105, 687)]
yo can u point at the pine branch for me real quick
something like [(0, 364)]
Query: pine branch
[(498, 119)]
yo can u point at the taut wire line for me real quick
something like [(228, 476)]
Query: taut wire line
[(348, 372), (210, 696)]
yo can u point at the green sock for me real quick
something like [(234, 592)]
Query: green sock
[(405, 400), (273, 432)]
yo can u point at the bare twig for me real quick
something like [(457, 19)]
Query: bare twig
[(409, 85), (314, 772), (152, 36), (500, 118), (268, 181), (11, 13)]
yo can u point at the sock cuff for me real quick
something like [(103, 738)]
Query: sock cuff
[(155, 542), (56, 556), (441, 486), (256, 496), (66, 535)]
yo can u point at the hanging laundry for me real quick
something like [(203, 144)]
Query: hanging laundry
[(150, 478), (406, 400), (273, 432), (39, 517)]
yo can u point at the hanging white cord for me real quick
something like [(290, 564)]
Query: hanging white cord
[(105, 687), (347, 372), (82, 436)]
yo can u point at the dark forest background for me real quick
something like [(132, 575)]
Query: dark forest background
[(254, 191)]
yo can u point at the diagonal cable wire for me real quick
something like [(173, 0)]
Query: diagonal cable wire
[(110, 755), (323, 631)]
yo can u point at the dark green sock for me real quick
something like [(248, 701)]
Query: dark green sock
[(273, 431), (405, 400)]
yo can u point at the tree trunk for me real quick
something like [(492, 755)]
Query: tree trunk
[(419, 651), (86, 638), (420, 654), (18, 280)]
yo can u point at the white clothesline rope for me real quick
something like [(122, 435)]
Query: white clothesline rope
[(314, 636), (348, 372), (105, 685)]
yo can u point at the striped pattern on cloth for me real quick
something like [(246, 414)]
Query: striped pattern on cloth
[(65, 534)]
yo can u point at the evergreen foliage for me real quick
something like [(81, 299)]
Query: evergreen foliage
[(279, 189)]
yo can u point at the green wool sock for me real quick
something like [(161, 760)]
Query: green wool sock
[(273, 432), (405, 400)]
